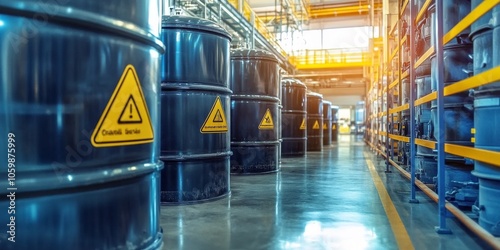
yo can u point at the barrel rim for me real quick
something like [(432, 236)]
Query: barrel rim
[(243, 53), (67, 16), (314, 94), (193, 23)]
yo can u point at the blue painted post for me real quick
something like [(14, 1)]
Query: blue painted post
[(441, 229), (411, 72)]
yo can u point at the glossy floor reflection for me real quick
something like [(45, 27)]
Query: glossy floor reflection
[(326, 200)]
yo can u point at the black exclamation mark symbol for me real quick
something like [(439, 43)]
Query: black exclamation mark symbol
[(130, 111)]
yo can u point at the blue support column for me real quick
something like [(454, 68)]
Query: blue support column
[(441, 229), (411, 72)]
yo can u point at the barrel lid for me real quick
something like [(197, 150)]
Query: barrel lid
[(310, 93), (193, 23), (253, 54), (327, 103), (335, 107), (292, 82)]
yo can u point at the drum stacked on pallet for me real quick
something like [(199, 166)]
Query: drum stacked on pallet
[(255, 124), (195, 110), (486, 38), (294, 117), (83, 134), (314, 121), (327, 123), (335, 123), (460, 184)]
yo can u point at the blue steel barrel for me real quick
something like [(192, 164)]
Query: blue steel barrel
[(482, 39), (423, 114), (453, 12), (458, 111), (487, 136), (314, 121), (335, 123), (255, 82), (195, 110), (294, 117), (327, 123), (85, 166)]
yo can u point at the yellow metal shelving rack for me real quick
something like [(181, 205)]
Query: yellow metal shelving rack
[(484, 78)]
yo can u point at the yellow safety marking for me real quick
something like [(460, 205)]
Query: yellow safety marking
[(316, 125), (334, 126), (473, 131), (399, 138), (425, 143), (486, 156), (484, 78), (267, 121), (125, 120), (216, 119), (303, 124), (424, 57), (423, 10), (405, 74), (324, 126), (430, 97), (399, 109), (398, 228), (473, 139), (475, 14)]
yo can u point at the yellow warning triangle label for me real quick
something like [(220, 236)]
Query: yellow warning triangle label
[(324, 126), (216, 120), (267, 121), (316, 125), (303, 124), (334, 126), (125, 120)]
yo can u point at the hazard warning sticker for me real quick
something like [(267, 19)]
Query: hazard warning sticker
[(303, 125), (125, 120), (334, 127), (267, 121), (216, 120), (316, 125)]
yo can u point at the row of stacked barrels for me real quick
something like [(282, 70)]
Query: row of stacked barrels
[(470, 117), (84, 139), (308, 121), (227, 112)]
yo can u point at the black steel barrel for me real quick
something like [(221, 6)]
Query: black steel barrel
[(254, 111), (335, 123), (423, 114), (327, 123), (79, 124), (314, 121), (195, 100), (294, 117)]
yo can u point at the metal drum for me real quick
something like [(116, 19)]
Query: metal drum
[(458, 65), (314, 121), (82, 170), (254, 111), (327, 123), (423, 114), (484, 22), (294, 117), (335, 123), (195, 111), (453, 12), (483, 51), (487, 136)]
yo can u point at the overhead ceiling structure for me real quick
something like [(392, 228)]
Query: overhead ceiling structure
[(333, 80)]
